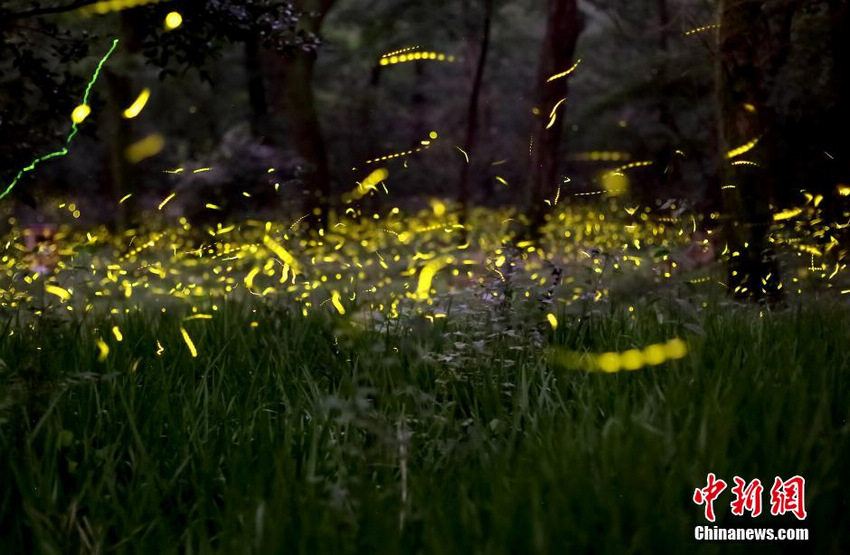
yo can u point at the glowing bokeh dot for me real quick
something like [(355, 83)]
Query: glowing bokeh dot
[(173, 20), (80, 113)]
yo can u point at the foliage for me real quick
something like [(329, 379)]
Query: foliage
[(301, 434)]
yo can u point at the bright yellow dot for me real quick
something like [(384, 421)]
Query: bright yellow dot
[(80, 113), (553, 320), (654, 354), (173, 20), (675, 348), (608, 362), (632, 359), (433, 134), (384, 61)]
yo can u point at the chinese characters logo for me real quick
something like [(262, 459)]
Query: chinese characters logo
[(786, 496)]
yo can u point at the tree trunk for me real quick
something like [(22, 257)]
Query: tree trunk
[(369, 144), (297, 101), (121, 180), (750, 55), (472, 113), (418, 103), (121, 93), (562, 32), (257, 91), (306, 132), (840, 151)]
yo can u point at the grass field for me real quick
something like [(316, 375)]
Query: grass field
[(385, 387), (311, 434)]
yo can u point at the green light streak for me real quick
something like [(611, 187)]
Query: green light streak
[(64, 150)]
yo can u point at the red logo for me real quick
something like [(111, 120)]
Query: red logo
[(708, 494), (788, 497), (747, 497), (785, 496)]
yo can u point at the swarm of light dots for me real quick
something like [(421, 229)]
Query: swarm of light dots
[(371, 265)]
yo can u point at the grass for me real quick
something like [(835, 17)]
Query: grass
[(314, 435)]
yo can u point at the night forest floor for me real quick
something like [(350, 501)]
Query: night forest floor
[(389, 387)]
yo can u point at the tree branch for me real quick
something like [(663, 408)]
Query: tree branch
[(35, 12)]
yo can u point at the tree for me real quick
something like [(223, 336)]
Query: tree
[(749, 54), (556, 55), (292, 76), (472, 112)]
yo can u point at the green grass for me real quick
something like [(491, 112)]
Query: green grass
[(313, 435)]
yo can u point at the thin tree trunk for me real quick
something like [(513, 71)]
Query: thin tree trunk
[(472, 113), (257, 91), (369, 146), (296, 99), (119, 85), (746, 117), (120, 138), (306, 131), (417, 103), (562, 32), (840, 151)]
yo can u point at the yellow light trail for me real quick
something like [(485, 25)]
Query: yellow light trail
[(166, 201), (249, 278), (787, 214), (553, 115), (370, 183), (426, 277), (701, 29), (743, 149), (145, 148), (632, 359), (335, 300), (564, 73), (103, 350), (138, 105), (101, 8), (416, 56), (600, 156), (189, 342), (282, 253), (58, 291), (400, 51)]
